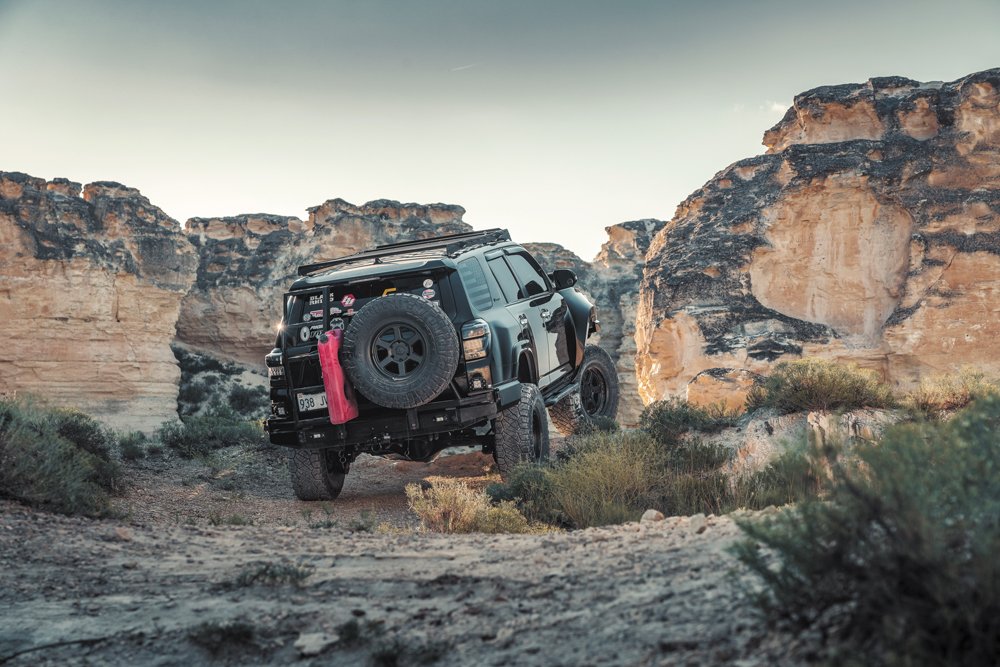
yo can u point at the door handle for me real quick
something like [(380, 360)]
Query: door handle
[(546, 315)]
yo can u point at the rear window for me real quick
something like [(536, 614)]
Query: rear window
[(475, 284), (508, 284)]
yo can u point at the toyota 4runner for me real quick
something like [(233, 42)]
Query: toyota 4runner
[(458, 340)]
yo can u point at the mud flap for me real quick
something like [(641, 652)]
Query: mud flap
[(340, 400)]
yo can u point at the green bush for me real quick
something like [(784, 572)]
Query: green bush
[(56, 459), (667, 420), (611, 477), (193, 393), (192, 363), (530, 487), (250, 401), (899, 562), (202, 435), (132, 445), (816, 384)]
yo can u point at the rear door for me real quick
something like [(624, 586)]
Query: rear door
[(548, 309), (518, 305)]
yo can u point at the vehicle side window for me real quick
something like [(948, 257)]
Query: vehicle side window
[(508, 284), (528, 274), (475, 284)]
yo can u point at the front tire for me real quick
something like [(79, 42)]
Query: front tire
[(317, 474), (521, 432), (597, 395)]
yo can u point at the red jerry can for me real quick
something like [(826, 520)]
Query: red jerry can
[(340, 400)]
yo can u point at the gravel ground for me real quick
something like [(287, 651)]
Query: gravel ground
[(175, 584)]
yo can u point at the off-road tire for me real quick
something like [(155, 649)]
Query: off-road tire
[(571, 412), (317, 474), (392, 385), (521, 432)]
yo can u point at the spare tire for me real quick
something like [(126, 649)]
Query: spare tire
[(400, 351)]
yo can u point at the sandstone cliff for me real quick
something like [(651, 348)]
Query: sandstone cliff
[(869, 232), (611, 282), (90, 291), (246, 263)]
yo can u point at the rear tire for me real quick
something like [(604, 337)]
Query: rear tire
[(596, 396), (521, 432), (317, 474)]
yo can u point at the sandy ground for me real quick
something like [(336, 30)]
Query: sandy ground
[(173, 582)]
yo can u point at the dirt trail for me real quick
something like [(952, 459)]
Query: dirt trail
[(154, 589)]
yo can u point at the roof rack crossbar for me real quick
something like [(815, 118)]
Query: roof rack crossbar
[(450, 243)]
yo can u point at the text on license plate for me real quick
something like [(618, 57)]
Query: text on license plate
[(311, 401)]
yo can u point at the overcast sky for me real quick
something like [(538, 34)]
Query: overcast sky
[(554, 119)]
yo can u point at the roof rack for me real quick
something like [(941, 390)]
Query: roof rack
[(449, 244)]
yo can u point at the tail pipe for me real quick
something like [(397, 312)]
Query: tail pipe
[(340, 400)]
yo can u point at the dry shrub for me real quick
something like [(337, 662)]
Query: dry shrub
[(667, 420), (452, 507), (816, 384), (609, 479), (946, 393)]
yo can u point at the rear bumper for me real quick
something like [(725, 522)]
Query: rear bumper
[(385, 426)]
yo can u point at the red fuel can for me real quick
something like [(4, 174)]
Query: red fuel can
[(340, 401)]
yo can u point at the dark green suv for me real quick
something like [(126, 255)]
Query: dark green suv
[(457, 340)]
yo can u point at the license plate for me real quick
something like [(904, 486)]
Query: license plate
[(309, 402)]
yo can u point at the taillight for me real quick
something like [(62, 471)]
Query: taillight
[(475, 340), (273, 361)]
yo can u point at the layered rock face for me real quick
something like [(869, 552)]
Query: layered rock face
[(611, 282), (90, 291), (869, 232), (247, 262)]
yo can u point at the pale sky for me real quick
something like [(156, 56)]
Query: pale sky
[(551, 118)]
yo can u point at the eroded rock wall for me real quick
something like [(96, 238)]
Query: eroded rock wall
[(90, 290), (246, 263), (869, 232)]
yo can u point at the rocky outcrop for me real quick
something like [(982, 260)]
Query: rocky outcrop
[(246, 262), (90, 291), (764, 436), (610, 281), (869, 232)]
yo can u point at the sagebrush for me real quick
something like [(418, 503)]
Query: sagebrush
[(667, 464), (56, 458), (816, 384), (201, 435), (899, 562)]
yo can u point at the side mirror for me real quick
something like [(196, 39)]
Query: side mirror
[(563, 278)]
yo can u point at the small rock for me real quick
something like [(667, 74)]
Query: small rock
[(650, 516), (314, 643), (130, 565), (122, 534), (697, 524)]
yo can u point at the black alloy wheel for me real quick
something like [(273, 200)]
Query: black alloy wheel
[(398, 350), (593, 391)]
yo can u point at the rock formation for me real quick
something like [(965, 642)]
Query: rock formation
[(90, 291), (611, 282), (869, 232), (246, 263)]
